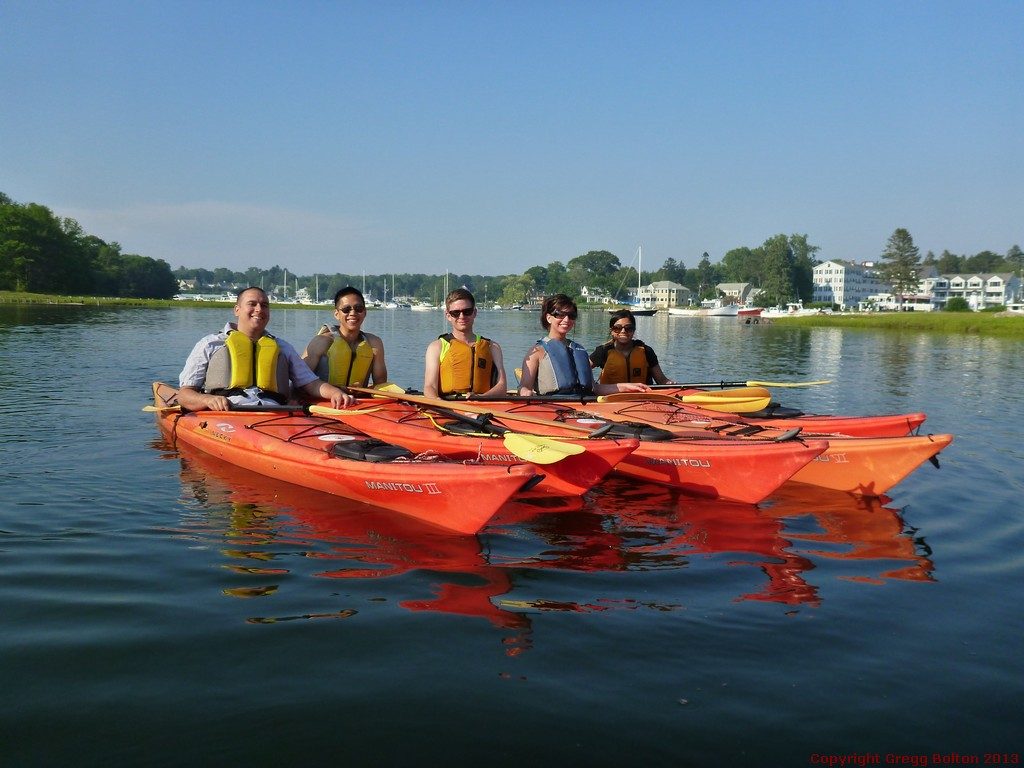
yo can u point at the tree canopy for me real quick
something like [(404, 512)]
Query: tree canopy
[(43, 253)]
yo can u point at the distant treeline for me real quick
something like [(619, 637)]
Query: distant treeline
[(782, 267), (43, 253)]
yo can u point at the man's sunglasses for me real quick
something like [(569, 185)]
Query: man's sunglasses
[(623, 328), (462, 312), (561, 313), (348, 310)]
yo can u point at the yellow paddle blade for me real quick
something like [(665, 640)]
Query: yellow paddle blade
[(737, 405), (730, 394), (154, 409), (539, 450), (740, 400), (388, 386)]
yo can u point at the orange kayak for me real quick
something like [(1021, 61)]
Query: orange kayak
[(322, 454), (861, 465), (703, 464), (417, 430)]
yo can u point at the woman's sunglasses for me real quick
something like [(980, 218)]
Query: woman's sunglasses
[(561, 313), (623, 328), (462, 312), (348, 310)]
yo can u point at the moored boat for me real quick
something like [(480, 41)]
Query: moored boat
[(638, 307), (638, 310), (792, 309), (684, 311), (716, 308), (711, 308), (325, 455)]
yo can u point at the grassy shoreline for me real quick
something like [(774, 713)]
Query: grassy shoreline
[(1001, 325)]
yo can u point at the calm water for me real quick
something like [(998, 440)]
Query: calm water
[(159, 608)]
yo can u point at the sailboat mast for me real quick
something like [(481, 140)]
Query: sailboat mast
[(639, 269)]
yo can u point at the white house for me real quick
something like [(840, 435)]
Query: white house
[(844, 283), (596, 295), (979, 290)]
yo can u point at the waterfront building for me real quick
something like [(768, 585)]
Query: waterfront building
[(663, 294), (845, 283), (979, 290), (596, 296)]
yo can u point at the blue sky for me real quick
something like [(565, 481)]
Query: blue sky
[(487, 137)]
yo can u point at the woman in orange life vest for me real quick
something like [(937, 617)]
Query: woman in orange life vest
[(625, 357), (347, 356), (463, 362), (557, 364)]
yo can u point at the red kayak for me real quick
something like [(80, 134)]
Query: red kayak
[(884, 425), (712, 466), (565, 473), (325, 455), (861, 465)]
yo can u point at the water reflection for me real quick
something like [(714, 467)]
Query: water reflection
[(267, 532)]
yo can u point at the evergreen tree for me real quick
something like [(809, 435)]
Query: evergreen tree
[(706, 282), (902, 259)]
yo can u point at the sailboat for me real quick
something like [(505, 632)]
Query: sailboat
[(638, 308)]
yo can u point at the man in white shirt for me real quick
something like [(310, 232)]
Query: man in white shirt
[(252, 310)]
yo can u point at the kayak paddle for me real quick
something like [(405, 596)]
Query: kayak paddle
[(745, 400), (532, 448), (467, 406), (724, 384)]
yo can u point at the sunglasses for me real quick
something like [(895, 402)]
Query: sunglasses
[(558, 313), (462, 312), (623, 328), (348, 310)]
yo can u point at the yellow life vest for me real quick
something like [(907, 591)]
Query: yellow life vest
[(342, 366), (466, 367), (243, 363), (618, 369)]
